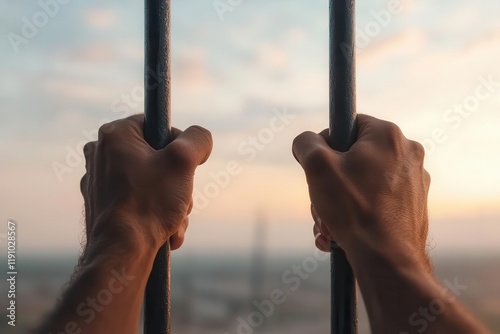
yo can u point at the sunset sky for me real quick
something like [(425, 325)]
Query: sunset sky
[(432, 68)]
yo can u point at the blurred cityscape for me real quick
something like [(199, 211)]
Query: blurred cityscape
[(227, 294)]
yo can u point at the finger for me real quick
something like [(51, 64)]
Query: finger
[(87, 184), (313, 153), (376, 130), (190, 207), (175, 133), (318, 230), (133, 124), (306, 142), (322, 227), (189, 149), (134, 121), (315, 215), (366, 124), (136, 124), (130, 128), (89, 153), (427, 180), (325, 134), (84, 185), (177, 239), (320, 241)]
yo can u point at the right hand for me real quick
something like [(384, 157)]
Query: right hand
[(373, 197)]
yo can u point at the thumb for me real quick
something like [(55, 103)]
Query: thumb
[(189, 149)]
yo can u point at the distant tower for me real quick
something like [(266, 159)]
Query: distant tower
[(258, 268)]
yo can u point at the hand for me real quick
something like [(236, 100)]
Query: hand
[(134, 195), (373, 197)]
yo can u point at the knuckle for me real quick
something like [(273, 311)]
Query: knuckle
[(418, 150), (301, 138), (83, 184), (105, 129), (393, 136), (178, 209), (88, 150), (107, 132), (183, 208), (109, 138), (393, 130), (427, 178)]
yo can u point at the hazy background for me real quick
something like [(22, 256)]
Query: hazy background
[(85, 66)]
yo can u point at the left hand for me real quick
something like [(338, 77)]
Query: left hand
[(136, 196)]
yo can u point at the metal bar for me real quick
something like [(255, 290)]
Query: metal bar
[(344, 319), (157, 133)]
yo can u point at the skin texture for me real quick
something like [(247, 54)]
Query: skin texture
[(372, 201), (136, 198)]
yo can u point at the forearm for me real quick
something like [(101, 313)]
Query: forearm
[(106, 296), (402, 296)]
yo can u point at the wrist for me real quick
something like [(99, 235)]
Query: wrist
[(372, 242), (119, 234), (103, 250), (368, 257), (110, 280), (394, 284)]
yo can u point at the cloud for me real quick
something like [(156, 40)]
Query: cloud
[(401, 44), (100, 18), (76, 90), (98, 52)]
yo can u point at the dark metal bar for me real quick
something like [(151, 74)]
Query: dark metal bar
[(344, 319), (157, 133)]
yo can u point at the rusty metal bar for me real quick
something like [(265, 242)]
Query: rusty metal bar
[(157, 133), (344, 318)]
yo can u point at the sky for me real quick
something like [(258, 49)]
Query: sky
[(429, 66)]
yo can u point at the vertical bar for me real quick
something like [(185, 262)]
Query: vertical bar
[(344, 318), (157, 133)]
